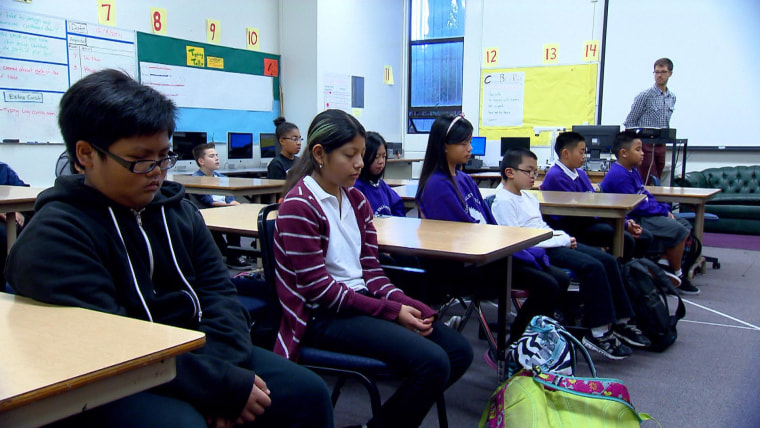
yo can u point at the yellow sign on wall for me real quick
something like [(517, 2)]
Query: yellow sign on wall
[(107, 12), (213, 31), (591, 50), (557, 96), (158, 20), (252, 38), (550, 54), (196, 56), (491, 57)]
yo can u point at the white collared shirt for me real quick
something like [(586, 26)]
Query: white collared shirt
[(572, 173), (344, 248)]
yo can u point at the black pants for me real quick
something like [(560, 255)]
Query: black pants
[(300, 398), (599, 233), (428, 364), (601, 285)]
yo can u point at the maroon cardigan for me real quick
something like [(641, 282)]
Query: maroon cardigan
[(301, 238)]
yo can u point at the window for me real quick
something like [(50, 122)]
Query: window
[(436, 50)]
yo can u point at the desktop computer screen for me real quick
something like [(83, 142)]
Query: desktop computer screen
[(478, 146), (267, 145), (239, 145), (184, 141), (514, 142), (600, 137)]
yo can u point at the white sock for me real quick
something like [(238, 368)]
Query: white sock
[(678, 273), (600, 331), (663, 262), (622, 321)]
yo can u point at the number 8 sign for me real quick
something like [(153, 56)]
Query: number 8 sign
[(158, 20)]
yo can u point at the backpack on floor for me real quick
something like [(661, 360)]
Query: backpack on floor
[(692, 251), (543, 395), (655, 301)]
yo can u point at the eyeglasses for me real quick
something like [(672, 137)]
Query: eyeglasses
[(530, 172), (294, 139), (661, 72), (142, 166)]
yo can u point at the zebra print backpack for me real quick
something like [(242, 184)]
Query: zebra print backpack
[(545, 347)]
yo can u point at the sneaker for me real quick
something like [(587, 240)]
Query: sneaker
[(687, 287), (631, 335), (607, 345), (454, 322), (238, 263)]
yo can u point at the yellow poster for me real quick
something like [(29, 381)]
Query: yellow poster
[(196, 56), (552, 96)]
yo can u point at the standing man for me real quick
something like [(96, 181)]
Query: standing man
[(652, 108)]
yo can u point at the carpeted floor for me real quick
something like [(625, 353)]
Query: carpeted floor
[(727, 240)]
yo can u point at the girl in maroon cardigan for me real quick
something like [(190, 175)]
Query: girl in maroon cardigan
[(334, 293)]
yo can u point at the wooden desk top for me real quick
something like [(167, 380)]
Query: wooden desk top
[(394, 182), (228, 183), (238, 219), (48, 350), (683, 192), (469, 242), (10, 195), (583, 200), (401, 160), (478, 243)]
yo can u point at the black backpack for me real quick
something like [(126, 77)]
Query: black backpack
[(692, 251), (653, 297)]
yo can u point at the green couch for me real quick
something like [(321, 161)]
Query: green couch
[(738, 205)]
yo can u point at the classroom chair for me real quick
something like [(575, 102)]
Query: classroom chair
[(343, 366)]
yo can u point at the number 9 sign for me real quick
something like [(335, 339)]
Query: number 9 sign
[(213, 31)]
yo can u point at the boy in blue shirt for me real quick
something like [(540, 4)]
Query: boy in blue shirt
[(670, 234), (607, 309), (567, 175)]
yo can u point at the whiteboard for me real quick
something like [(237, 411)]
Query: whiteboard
[(713, 45), (40, 57), (203, 88)]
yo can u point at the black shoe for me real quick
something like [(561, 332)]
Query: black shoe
[(687, 287), (238, 263), (631, 335), (607, 345)]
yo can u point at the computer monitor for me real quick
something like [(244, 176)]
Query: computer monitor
[(267, 145), (478, 146), (514, 142), (184, 141), (239, 145), (598, 137)]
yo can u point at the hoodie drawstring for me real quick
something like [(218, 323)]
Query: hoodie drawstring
[(131, 268)]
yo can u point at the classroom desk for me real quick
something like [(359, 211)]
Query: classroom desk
[(587, 204), (576, 204), (494, 177), (58, 361), (467, 242), (393, 182), (253, 189), (15, 199), (695, 196), (234, 172)]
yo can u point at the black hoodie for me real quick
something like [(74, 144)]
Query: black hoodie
[(160, 264)]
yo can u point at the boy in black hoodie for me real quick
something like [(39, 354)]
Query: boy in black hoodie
[(120, 239)]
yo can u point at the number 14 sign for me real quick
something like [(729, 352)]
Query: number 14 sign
[(591, 50)]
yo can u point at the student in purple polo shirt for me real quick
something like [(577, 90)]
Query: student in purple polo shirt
[(383, 200), (567, 175), (446, 193), (670, 233)]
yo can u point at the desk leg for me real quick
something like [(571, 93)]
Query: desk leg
[(10, 229), (699, 220), (501, 336), (617, 242)]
